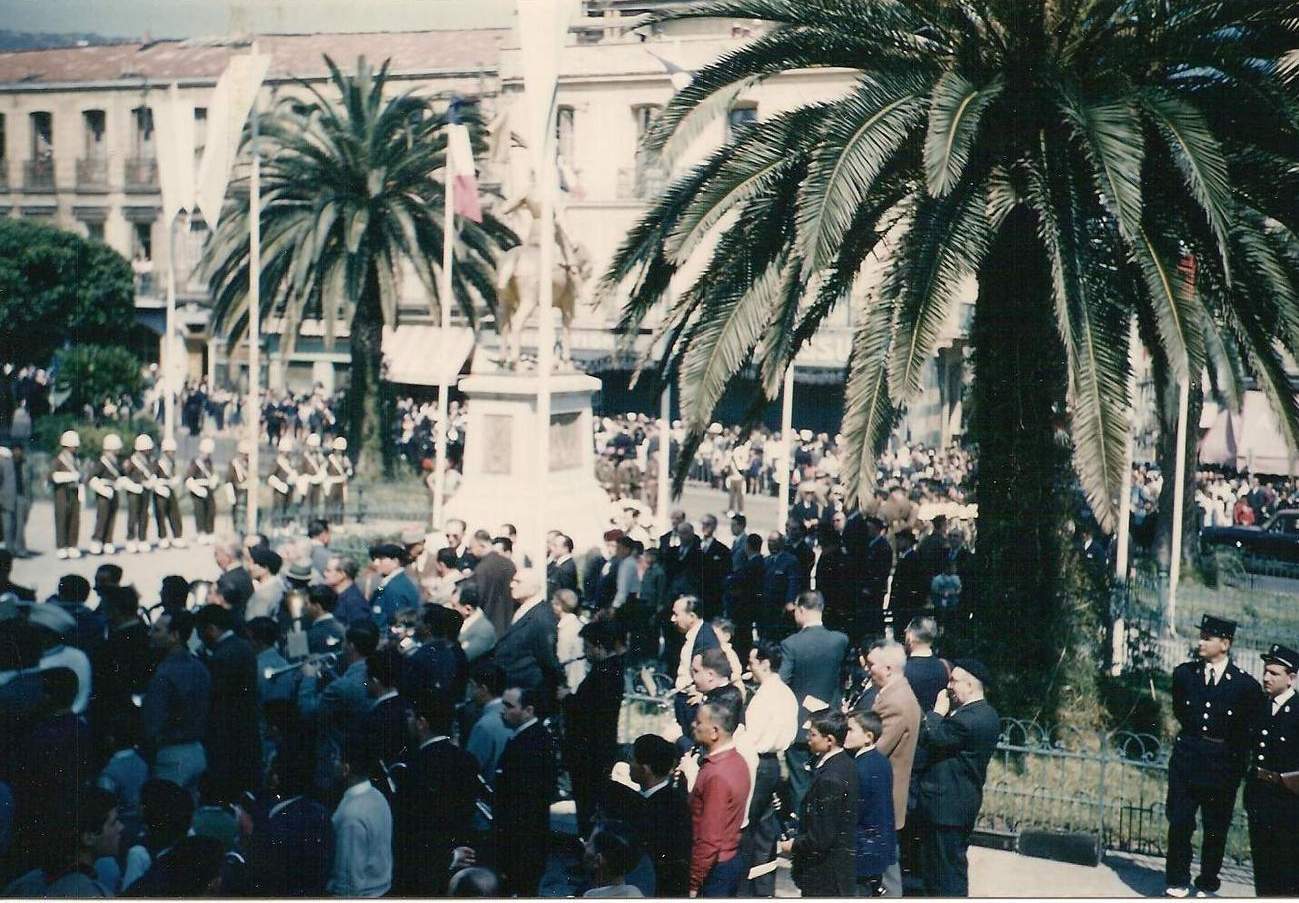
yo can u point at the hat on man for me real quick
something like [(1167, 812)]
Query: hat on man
[(286, 444), (206, 445), (413, 537), (70, 439), (144, 442), (169, 444), (313, 441), (1284, 656), (1219, 627), (267, 558), (340, 444), (975, 668), (805, 435), (245, 447), (112, 442), (299, 572), (52, 617), (715, 428)]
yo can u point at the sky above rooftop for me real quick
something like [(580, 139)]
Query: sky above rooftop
[(197, 18)]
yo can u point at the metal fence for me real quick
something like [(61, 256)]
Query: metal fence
[(1110, 784)]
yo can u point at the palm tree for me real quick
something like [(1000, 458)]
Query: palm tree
[(352, 190), (1086, 160)]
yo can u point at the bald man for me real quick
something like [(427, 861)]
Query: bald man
[(526, 650)]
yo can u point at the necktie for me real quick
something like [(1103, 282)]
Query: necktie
[(1213, 678)]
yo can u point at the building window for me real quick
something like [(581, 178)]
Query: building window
[(200, 130), (142, 132), (564, 121), (93, 125), (645, 115), (4, 139), (95, 231), (740, 118), (42, 136), (142, 243)]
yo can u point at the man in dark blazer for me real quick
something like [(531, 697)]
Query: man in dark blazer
[(714, 566), (909, 591), (959, 736), (396, 591), (699, 636), (1272, 808), (561, 568), (524, 789), (824, 850), (659, 812), (438, 663), (591, 720), (326, 633), (812, 668), (492, 574), (437, 790), (233, 741), (526, 648), (744, 593), (782, 581), (684, 564), (383, 727)]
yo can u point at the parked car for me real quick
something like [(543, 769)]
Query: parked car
[(1277, 539)]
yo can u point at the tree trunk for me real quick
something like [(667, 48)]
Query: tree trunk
[(1033, 620), (365, 394), (1166, 397)]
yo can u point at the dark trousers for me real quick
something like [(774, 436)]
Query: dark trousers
[(67, 517), (137, 516), (943, 864), (166, 511), (797, 758), (723, 878), (758, 842), (1275, 851), (1215, 804), (105, 515), (204, 513)]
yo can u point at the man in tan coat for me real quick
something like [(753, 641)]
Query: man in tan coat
[(899, 711)]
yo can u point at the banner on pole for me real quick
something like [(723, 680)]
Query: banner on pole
[(173, 121), (543, 31), (231, 103)]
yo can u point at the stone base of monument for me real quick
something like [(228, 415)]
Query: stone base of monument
[(504, 481)]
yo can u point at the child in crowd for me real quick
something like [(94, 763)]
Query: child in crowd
[(876, 840)]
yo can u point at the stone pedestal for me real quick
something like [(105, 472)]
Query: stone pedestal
[(504, 481)]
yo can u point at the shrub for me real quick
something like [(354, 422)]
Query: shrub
[(90, 373), (46, 433)]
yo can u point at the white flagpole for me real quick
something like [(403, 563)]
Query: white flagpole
[(1179, 491), (786, 457), (545, 175), (169, 361), (665, 456), (254, 321), (448, 260), (1125, 495)]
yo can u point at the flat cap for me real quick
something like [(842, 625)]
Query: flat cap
[(975, 668), (1219, 627)]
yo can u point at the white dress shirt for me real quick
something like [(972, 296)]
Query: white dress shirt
[(568, 648), (524, 609), (771, 718), (687, 653), (1215, 670)]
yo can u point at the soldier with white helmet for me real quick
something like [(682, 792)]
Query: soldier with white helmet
[(237, 473), (167, 484), (137, 481), (65, 477), (105, 480), (202, 481), (283, 480), (312, 481), (338, 470)]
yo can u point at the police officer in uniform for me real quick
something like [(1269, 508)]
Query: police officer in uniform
[(202, 481), (1214, 702), (283, 479), (313, 469), (338, 470), (237, 473), (104, 481), (1272, 787), (137, 480), (166, 497), (65, 477)]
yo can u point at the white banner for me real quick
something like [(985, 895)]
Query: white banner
[(543, 31), (173, 122), (231, 102)]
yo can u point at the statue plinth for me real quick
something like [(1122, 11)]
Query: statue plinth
[(503, 479)]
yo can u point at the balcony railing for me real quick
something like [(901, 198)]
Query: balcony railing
[(38, 175), (642, 182), (92, 174), (141, 174)]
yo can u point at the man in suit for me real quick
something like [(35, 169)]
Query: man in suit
[(909, 591), (744, 593), (437, 789), (395, 591), (782, 581), (1214, 702), (526, 648), (824, 850), (660, 812), (684, 564), (591, 719), (524, 788), (561, 569), (813, 669), (699, 636), (228, 554), (670, 540), (454, 533), (326, 633), (384, 725), (15, 498), (233, 738), (477, 635), (493, 572), (437, 663), (899, 712), (714, 566), (959, 736), (336, 708), (1272, 807)]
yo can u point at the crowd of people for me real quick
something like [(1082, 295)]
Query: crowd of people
[(312, 724)]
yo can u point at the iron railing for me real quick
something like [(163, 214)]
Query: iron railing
[(1110, 784), (38, 174), (141, 174), (92, 174)]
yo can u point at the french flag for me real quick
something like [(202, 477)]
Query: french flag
[(460, 167)]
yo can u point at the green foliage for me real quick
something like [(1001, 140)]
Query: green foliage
[(88, 373), (55, 287), (47, 430)]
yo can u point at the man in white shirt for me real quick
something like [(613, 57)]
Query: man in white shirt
[(362, 832), (771, 723)]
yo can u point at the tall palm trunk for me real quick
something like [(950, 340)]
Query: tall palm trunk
[(1167, 392), (364, 397), (1031, 621)]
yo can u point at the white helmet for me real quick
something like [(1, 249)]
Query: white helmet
[(112, 442), (313, 441), (245, 447), (286, 444), (340, 444), (70, 439), (206, 446), (144, 442), (169, 444)]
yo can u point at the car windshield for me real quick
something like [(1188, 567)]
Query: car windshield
[(1287, 523)]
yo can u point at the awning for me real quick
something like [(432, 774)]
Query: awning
[(425, 355), (1250, 440)]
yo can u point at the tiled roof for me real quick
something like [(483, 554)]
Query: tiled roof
[(292, 56)]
